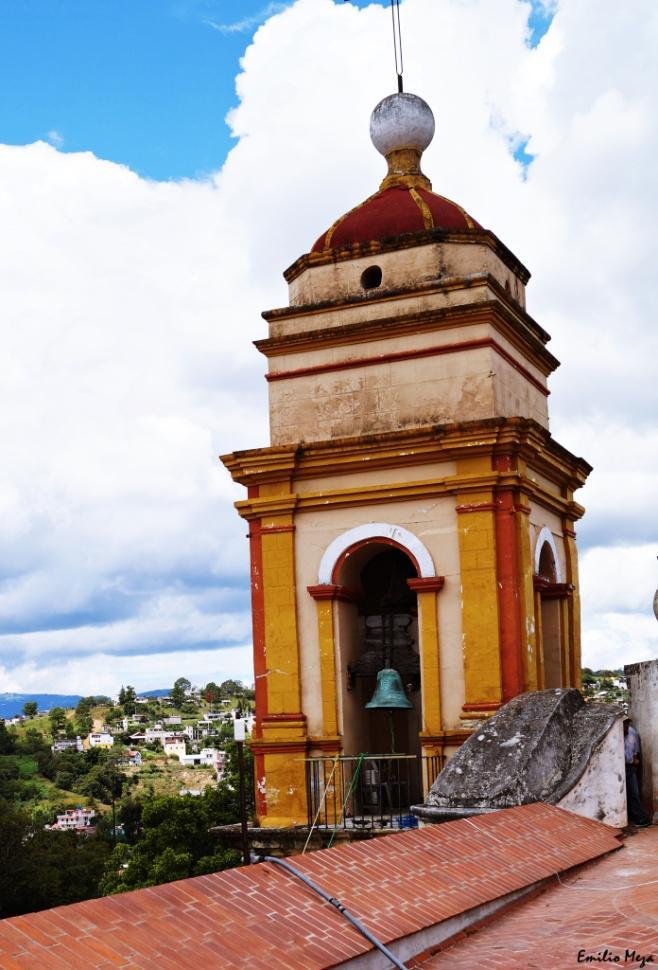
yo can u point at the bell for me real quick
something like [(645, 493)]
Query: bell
[(389, 692)]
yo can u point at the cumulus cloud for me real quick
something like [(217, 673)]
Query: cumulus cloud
[(129, 306)]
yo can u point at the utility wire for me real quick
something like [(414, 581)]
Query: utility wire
[(397, 42)]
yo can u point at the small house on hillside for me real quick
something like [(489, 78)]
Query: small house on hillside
[(73, 819), (100, 739)]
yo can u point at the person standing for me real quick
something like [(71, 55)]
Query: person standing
[(632, 755)]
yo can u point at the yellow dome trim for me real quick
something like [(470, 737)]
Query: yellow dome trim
[(332, 229), (428, 220), (469, 221)]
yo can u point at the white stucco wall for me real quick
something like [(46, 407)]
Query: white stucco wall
[(601, 792), (643, 709)]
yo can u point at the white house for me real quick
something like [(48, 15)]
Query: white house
[(100, 739), (206, 758), (69, 745), (174, 747), (75, 819)]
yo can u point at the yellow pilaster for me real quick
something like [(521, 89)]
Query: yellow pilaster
[(325, 608), (280, 616), (527, 609), (282, 748), (573, 606), (539, 641), (430, 677), (480, 628), (284, 784), (565, 642)]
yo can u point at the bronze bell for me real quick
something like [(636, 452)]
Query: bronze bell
[(389, 692)]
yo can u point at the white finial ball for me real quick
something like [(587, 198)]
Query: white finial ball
[(401, 121)]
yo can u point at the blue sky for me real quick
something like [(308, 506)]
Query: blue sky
[(146, 83)]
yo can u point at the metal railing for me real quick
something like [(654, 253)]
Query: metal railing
[(368, 791)]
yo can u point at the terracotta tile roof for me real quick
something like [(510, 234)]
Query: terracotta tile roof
[(612, 906), (262, 917)]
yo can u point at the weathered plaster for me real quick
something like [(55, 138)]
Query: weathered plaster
[(434, 261), (643, 709), (601, 791)]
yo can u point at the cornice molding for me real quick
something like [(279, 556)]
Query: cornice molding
[(552, 591), (509, 320), (330, 591), (431, 488), (521, 437), (428, 584), (410, 241)]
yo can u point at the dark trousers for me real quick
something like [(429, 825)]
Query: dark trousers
[(636, 813)]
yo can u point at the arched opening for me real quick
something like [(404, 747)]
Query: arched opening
[(379, 630), (547, 566), (551, 638)]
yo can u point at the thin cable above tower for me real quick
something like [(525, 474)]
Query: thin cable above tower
[(397, 42)]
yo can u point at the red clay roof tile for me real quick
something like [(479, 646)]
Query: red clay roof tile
[(262, 916)]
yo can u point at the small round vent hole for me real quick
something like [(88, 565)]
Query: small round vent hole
[(371, 278)]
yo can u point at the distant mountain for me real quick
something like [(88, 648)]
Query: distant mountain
[(12, 704)]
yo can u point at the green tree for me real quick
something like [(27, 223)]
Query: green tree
[(7, 739), (103, 782), (170, 865), (129, 700), (179, 691), (30, 708), (175, 841), (84, 724), (40, 869), (114, 715), (212, 693), (31, 742), (232, 688), (57, 720), (46, 764), (84, 706), (130, 816), (10, 786)]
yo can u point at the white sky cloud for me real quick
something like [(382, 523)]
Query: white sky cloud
[(128, 308), (55, 138), (248, 23)]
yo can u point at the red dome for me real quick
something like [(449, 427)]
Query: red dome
[(394, 211)]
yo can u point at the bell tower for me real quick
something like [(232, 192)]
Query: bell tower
[(412, 511)]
